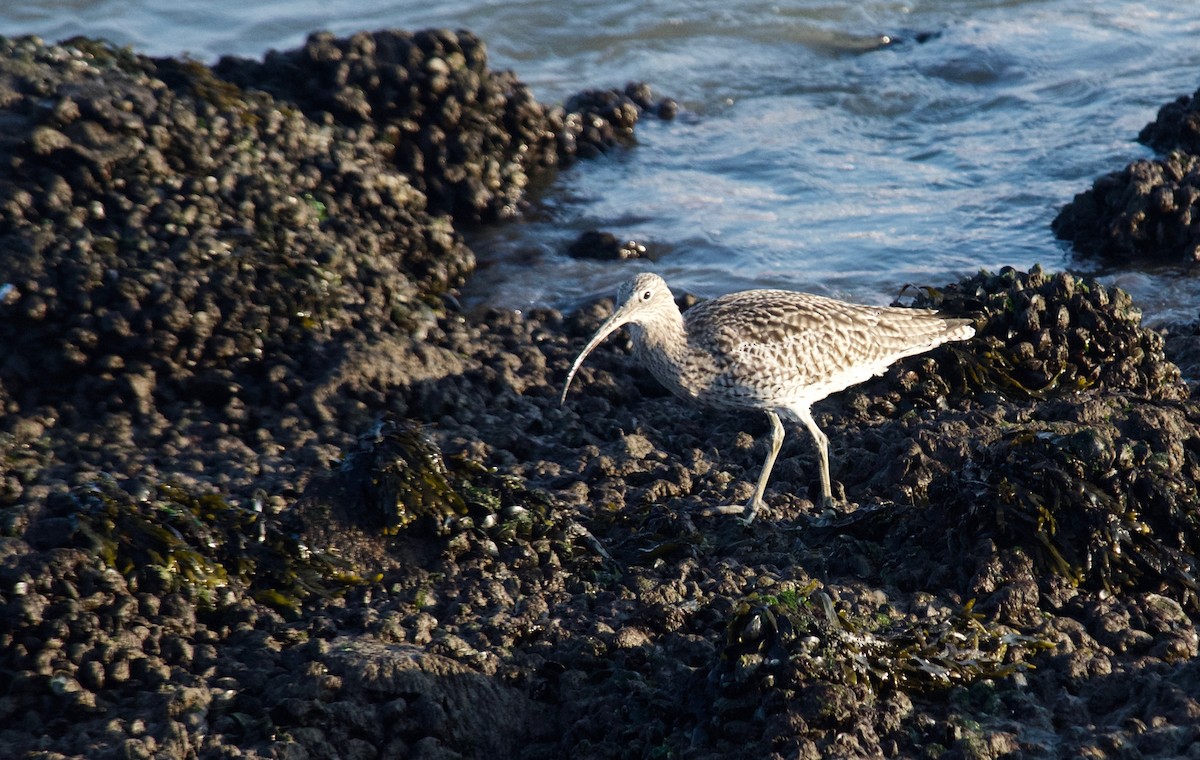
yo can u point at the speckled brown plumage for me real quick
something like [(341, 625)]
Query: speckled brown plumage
[(774, 350)]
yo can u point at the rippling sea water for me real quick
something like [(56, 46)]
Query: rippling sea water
[(845, 148)]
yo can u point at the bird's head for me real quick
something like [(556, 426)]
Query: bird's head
[(641, 300)]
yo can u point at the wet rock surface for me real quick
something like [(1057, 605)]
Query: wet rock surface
[(1176, 127), (265, 491), (1146, 211), (597, 244)]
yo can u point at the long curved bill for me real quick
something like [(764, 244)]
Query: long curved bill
[(619, 318)]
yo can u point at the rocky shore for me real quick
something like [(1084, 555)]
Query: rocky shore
[(267, 490), (1145, 211)]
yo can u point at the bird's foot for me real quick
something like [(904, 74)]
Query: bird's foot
[(724, 509), (745, 512)]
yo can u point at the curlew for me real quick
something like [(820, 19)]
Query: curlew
[(777, 351)]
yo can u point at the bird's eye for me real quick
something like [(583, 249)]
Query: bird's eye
[(646, 295)]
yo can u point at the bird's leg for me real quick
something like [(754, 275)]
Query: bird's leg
[(751, 507), (822, 441), (756, 501)]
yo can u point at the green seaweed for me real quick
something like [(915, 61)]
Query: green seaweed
[(104, 53), (317, 206), (806, 641), (1093, 509), (400, 477), (174, 540), (193, 78)]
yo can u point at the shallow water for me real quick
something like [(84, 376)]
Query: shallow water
[(810, 154)]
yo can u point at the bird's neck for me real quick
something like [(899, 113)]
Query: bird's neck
[(661, 347)]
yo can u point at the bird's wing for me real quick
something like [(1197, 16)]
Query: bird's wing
[(810, 338)]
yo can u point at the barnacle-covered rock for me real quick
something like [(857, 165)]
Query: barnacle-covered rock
[(597, 244), (160, 223), (396, 478), (469, 138), (1145, 211), (1080, 455), (1176, 127), (1148, 209), (466, 136), (800, 631), (597, 120), (1041, 335), (1102, 493), (1055, 484), (794, 646), (165, 539), (1038, 336)]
